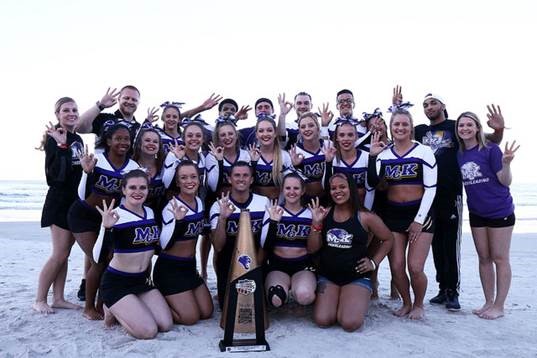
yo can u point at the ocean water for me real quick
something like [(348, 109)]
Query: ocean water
[(23, 201)]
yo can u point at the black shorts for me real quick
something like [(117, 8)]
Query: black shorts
[(290, 266), (174, 274), (83, 218), (399, 217), (117, 284), (479, 221), (56, 208)]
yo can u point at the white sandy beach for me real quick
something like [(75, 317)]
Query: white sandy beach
[(25, 333)]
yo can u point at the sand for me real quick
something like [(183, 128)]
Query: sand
[(25, 333)]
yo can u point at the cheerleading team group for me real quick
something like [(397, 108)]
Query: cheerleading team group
[(330, 196)]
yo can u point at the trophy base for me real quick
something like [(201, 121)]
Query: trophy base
[(244, 345)]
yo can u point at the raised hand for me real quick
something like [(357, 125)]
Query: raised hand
[(509, 153), (414, 231), (110, 216), (329, 151), (218, 152), (296, 158), (318, 212), (275, 211), (285, 107), (152, 115), (87, 160), (377, 145), (211, 101), (243, 112), (326, 115), (495, 117), (177, 149), (226, 206), (178, 211), (254, 153), (110, 98), (59, 134), (397, 97)]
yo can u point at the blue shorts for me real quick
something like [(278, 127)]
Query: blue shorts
[(364, 282)]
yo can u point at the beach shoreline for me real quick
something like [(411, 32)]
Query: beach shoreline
[(292, 332)]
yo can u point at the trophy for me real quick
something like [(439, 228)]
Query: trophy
[(244, 306)]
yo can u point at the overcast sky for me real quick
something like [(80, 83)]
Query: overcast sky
[(470, 53)]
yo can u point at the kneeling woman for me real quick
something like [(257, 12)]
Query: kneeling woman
[(175, 272), (126, 289), (344, 283), (285, 237)]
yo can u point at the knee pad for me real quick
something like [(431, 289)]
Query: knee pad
[(276, 291)]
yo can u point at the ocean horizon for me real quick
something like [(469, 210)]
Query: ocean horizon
[(22, 201)]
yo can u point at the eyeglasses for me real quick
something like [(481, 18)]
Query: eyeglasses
[(345, 101)]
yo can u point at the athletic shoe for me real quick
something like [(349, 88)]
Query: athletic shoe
[(439, 299), (452, 300), (82, 290)]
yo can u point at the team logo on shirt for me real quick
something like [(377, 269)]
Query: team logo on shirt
[(401, 171), (194, 229), (108, 184), (263, 178), (146, 235), (438, 140), (314, 170), (245, 261), (339, 238), (470, 171), (76, 152), (292, 231)]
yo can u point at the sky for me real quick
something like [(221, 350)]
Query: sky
[(471, 53)]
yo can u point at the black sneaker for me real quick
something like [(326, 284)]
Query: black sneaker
[(82, 290), (452, 300), (439, 299)]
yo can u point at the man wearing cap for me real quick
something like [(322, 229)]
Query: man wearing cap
[(447, 205)]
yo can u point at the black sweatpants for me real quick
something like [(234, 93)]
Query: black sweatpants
[(447, 244)]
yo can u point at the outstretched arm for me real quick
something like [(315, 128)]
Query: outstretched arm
[(205, 106), (86, 119)]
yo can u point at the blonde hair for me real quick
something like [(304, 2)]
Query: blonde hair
[(480, 135), (277, 161), (57, 106), (312, 116), (406, 113)]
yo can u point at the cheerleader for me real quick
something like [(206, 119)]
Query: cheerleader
[(269, 161), (284, 238), (175, 271), (410, 171), (307, 156), (101, 180), (128, 295)]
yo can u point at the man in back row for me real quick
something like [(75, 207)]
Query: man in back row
[(447, 205)]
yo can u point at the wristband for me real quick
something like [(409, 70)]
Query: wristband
[(316, 228), (374, 264), (63, 145), (99, 105)]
